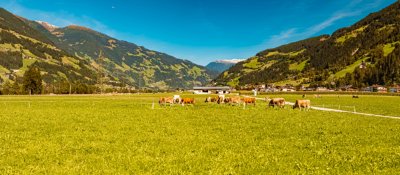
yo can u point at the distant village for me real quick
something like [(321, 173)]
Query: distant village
[(290, 88)]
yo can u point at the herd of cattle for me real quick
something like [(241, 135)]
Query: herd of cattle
[(236, 100)]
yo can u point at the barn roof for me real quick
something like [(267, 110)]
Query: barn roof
[(212, 88)]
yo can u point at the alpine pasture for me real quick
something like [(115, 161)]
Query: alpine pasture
[(127, 134)]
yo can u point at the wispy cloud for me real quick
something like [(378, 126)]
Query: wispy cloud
[(327, 23), (282, 38), (59, 18), (294, 34)]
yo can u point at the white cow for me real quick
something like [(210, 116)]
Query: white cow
[(221, 99), (177, 98)]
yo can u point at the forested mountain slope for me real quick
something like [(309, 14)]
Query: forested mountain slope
[(22, 46), (126, 62), (365, 53)]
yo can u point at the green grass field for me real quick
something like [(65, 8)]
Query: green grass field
[(298, 67), (124, 135), (382, 105)]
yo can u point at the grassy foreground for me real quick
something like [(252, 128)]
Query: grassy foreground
[(124, 135)]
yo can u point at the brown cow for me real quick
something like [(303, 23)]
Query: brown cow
[(227, 100), (306, 104), (166, 100), (280, 102), (233, 100), (211, 99), (187, 101), (249, 100)]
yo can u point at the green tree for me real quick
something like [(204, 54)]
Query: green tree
[(32, 82), (7, 88), (16, 88)]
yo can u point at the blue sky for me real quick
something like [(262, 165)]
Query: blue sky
[(202, 30)]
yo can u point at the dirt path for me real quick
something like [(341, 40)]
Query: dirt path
[(342, 111)]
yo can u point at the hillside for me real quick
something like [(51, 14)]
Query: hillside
[(220, 66), (330, 60), (22, 46), (126, 62), (72, 55)]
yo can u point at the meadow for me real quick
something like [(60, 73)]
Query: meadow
[(127, 135), (382, 105)]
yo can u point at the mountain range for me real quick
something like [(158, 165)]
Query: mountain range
[(81, 55), (363, 54), (222, 65)]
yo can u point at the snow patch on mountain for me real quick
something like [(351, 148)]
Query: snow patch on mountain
[(232, 61), (48, 26)]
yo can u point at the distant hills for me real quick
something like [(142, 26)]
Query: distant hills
[(363, 54), (222, 65), (81, 55)]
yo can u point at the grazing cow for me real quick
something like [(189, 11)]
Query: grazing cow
[(227, 100), (166, 100), (306, 104), (161, 100), (221, 99), (235, 100), (187, 101), (279, 102), (211, 100), (355, 96), (249, 100), (177, 98)]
